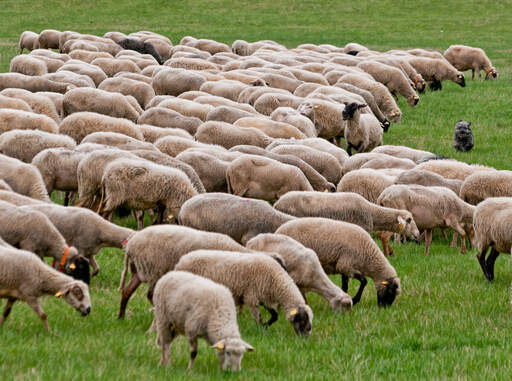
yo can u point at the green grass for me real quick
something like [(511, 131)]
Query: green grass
[(448, 324)]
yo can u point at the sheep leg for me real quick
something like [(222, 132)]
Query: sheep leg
[(7, 310), (344, 282), (32, 302), (443, 232), (94, 265), (349, 149), (66, 198), (273, 317), (150, 293), (490, 263), (166, 335), (385, 237), (481, 260), (255, 312), (193, 352), (127, 293), (472, 73), (140, 219), (458, 229), (428, 240), (363, 282), (455, 238)]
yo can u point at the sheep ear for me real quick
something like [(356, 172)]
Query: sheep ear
[(248, 347), (361, 106), (218, 345)]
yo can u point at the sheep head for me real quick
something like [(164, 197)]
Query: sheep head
[(387, 291), (301, 319), (350, 110), (230, 352), (76, 294)]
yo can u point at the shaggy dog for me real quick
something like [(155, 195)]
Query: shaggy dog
[(463, 137)]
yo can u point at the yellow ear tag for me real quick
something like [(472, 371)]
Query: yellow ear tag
[(220, 346), (326, 191), (384, 282), (58, 294), (72, 266), (169, 217), (400, 226), (293, 312)]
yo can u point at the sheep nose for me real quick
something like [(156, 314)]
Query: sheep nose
[(416, 100), (87, 311)]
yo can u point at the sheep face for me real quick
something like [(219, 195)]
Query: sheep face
[(385, 125), (407, 226), (230, 352), (387, 291), (341, 303), (258, 82), (491, 74), (350, 109), (76, 294), (308, 110), (395, 116), (301, 319), (460, 80), (413, 101), (78, 266)]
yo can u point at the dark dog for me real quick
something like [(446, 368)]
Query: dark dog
[(463, 136), (141, 47)]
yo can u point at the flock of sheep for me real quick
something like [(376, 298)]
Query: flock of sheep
[(235, 155)]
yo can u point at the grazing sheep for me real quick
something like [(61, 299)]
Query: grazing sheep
[(217, 101), (28, 40), (142, 92), (271, 128), (23, 178), (30, 83), (174, 145), (347, 249), (368, 183), (25, 277), (187, 108), (49, 39), (228, 135), (25, 144), (56, 99), (121, 141), (28, 65), (164, 117), (359, 159), (141, 47), (17, 199), (431, 207), (227, 114), (92, 71), (435, 70), (81, 124), (135, 76), (389, 163), (452, 169), (482, 185), (37, 102), (188, 63), (99, 101), (4, 186), (225, 88), (154, 251), (466, 57), (88, 56), (70, 78), (254, 279), (152, 133), (295, 118), (350, 207), (251, 93), (326, 115), (268, 102), (463, 136), (176, 81), (240, 218), (491, 222), (259, 177), (14, 103), (429, 179), (196, 307), (210, 169), (404, 152), (362, 131), (304, 268)]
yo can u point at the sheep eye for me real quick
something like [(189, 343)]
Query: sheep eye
[(228, 353), (409, 220)]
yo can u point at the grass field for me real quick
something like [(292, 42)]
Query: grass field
[(449, 323)]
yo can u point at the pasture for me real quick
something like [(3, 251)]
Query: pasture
[(449, 322)]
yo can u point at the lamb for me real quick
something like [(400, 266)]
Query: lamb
[(151, 133), (259, 177), (393, 78), (141, 185), (362, 131), (210, 169), (25, 144), (466, 57), (267, 103), (271, 128), (141, 47), (368, 183), (452, 169), (88, 232), (240, 218), (25, 277), (429, 179), (92, 71), (482, 185), (404, 152), (49, 39), (142, 92), (326, 115), (121, 141), (163, 117), (228, 135), (431, 207), (154, 251), (23, 178), (435, 70), (28, 40), (37, 102), (194, 306), (353, 208), (14, 103), (317, 181), (254, 279), (304, 268), (81, 124), (295, 118), (347, 249), (491, 222), (30, 83), (383, 97), (176, 81), (28, 65)]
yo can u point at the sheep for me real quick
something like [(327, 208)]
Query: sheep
[(164, 117), (323, 162), (267, 103), (174, 145), (240, 218), (358, 160), (217, 101), (99, 101), (431, 207), (404, 152), (271, 128), (141, 185), (354, 47), (225, 88), (92, 71), (56, 99), (194, 306), (37, 102), (369, 183), (4, 186), (141, 47), (81, 124), (23, 178), (491, 224), (191, 64), (482, 185), (264, 282), (427, 178), (304, 268), (210, 169), (25, 144), (259, 177), (28, 40), (88, 56), (88, 232), (228, 135), (142, 61), (326, 115), (466, 57), (296, 119), (210, 46), (392, 163), (49, 54), (393, 78), (49, 39), (70, 78), (176, 81), (25, 277), (187, 108), (346, 249), (308, 77), (30, 83), (353, 208), (362, 131), (152, 252), (383, 97), (251, 93), (134, 76), (121, 141), (152, 133), (28, 65), (14, 103), (435, 70), (317, 181), (452, 169), (227, 114), (142, 92), (416, 80)]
